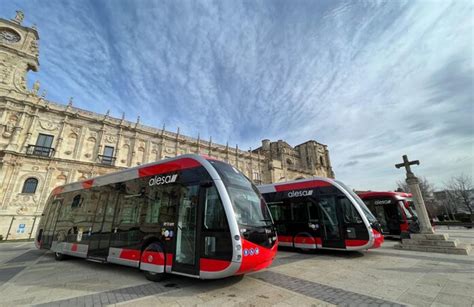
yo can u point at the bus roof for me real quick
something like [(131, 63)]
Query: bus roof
[(397, 195), (309, 183), (154, 168)]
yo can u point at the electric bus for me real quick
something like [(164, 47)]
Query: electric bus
[(321, 213), (394, 210), (190, 215)]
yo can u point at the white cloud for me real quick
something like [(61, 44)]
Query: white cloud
[(372, 80)]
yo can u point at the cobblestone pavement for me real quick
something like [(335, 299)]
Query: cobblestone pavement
[(383, 277)]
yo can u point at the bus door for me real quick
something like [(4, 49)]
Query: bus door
[(186, 251), (305, 223), (388, 215), (330, 216), (101, 228), (50, 225)]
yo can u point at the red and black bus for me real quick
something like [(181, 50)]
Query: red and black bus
[(191, 215), (321, 213), (394, 210)]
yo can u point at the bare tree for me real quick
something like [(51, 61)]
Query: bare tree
[(427, 190), (460, 192)]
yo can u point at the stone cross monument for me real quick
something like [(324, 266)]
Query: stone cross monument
[(414, 185), (427, 240)]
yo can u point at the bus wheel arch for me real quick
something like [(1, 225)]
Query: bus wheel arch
[(304, 242), (149, 263)]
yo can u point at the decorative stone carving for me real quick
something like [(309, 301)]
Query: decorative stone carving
[(19, 17), (34, 47), (10, 126), (109, 138), (48, 125), (6, 68), (36, 87), (76, 130), (9, 36)]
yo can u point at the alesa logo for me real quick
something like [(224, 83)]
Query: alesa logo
[(157, 180), (300, 193)]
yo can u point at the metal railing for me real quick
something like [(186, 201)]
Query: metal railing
[(106, 160), (41, 151)]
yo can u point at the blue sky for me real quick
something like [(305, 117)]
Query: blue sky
[(371, 79)]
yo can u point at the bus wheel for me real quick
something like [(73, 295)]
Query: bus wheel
[(59, 256), (154, 276)]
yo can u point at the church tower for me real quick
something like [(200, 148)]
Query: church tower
[(18, 53)]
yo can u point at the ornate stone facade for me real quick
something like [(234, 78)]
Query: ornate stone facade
[(45, 144)]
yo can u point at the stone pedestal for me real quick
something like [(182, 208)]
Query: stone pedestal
[(435, 243)]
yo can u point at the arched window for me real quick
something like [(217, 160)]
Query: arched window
[(30, 185)]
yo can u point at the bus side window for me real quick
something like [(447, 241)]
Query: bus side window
[(313, 212), (280, 212), (129, 211), (351, 216), (299, 212), (154, 206)]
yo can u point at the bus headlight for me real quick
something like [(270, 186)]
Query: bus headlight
[(238, 247), (239, 257)]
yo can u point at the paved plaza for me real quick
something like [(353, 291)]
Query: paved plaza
[(384, 276)]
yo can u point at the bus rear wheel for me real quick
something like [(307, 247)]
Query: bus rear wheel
[(59, 256), (153, 276)]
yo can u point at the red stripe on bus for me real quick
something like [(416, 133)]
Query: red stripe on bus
[(130, 254), (378, 239), (302, 185), (157, 258), (171, 166), (87, 184), (213, 265), (169, 259), (287, 239), (305, 240), (356, 242)]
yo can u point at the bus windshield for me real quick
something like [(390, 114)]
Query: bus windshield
[(249, 207), (362, 205)]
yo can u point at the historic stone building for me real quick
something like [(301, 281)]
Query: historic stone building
[(45, 144)]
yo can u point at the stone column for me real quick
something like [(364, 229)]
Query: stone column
[(57, 152), (423, 218), (81, 140)]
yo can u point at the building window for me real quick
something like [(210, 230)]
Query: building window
[(43, 146), (321, 161), (108, 156), (30, 186)]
